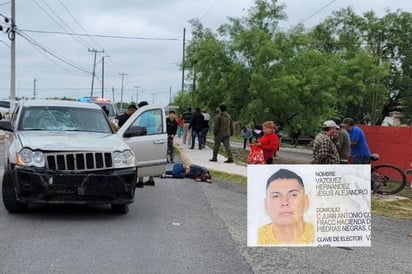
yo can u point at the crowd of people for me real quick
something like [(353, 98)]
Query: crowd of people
[(339, 142), (342, 143)]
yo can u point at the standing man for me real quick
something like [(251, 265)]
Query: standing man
[(324, 150), (129, 111), (196, 128), (342, 142), (171, 125), (187, 118), (358, 145), (222, 129), (205, 126)]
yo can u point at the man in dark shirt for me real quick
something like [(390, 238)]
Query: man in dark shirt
[(196, 126), (171, 125), (123, 118), (222, 129)]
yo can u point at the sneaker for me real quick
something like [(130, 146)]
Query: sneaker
[(213, 160), (139, 184), (163, 176), (209, 181), (198, 180), (375, 186), (228, 161)]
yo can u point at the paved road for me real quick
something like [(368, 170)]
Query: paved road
[(171, 228), (179, 226)]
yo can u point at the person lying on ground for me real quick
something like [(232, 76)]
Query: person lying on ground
[(198, 173)]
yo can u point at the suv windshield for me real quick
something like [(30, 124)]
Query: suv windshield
[(64, 119)]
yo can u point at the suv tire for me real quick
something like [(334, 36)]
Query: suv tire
[(120, 208), (9, 195)]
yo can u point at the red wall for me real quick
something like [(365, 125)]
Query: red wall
[(393, 144)]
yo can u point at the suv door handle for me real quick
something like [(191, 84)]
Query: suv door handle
[(161, 141)]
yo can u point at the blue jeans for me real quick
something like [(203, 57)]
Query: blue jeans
[(204, 135), (365, 160), (199, 138), (361, 160)]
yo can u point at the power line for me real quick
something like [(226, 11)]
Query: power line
[(66, 27), (85, 43), (111, 63), (77, 22), (103, 35), (5, 43), (317, 12), (207, 11), (245, 10), (60, 22), (64, 60)]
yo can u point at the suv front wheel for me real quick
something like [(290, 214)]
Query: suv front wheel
[(9, 195)]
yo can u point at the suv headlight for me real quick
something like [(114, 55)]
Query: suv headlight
[(28, 157), (123, 158)]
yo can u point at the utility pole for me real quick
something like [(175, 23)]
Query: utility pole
[(103, 74), (94, 67), (375, 91), (34, 88), (170, 95), (183, 59), (12, 36), (121, 93), (113, 94), (137, 94)]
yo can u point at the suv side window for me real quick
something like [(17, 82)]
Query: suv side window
[(152, 120)]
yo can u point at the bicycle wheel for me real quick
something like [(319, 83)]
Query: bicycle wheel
[(391, 178)]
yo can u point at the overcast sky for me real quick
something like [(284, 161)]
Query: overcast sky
[(151, 63)]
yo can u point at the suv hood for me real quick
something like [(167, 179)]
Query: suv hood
[(71, 141)]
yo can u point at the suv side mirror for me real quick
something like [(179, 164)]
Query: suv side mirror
[(6, 126), (135, 131)]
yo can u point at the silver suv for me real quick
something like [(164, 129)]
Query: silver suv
[(67, 152)]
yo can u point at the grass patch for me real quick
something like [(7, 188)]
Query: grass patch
[(233, 178), (399, 209), (406, 192)]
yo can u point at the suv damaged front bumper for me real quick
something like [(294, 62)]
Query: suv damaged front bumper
[(35, 185)]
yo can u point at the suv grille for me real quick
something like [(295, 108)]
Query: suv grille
[(79, 161)]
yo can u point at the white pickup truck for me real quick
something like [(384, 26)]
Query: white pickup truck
[(66, 152)]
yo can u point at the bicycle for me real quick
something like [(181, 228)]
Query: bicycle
[(409, 172), (391, 178)]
